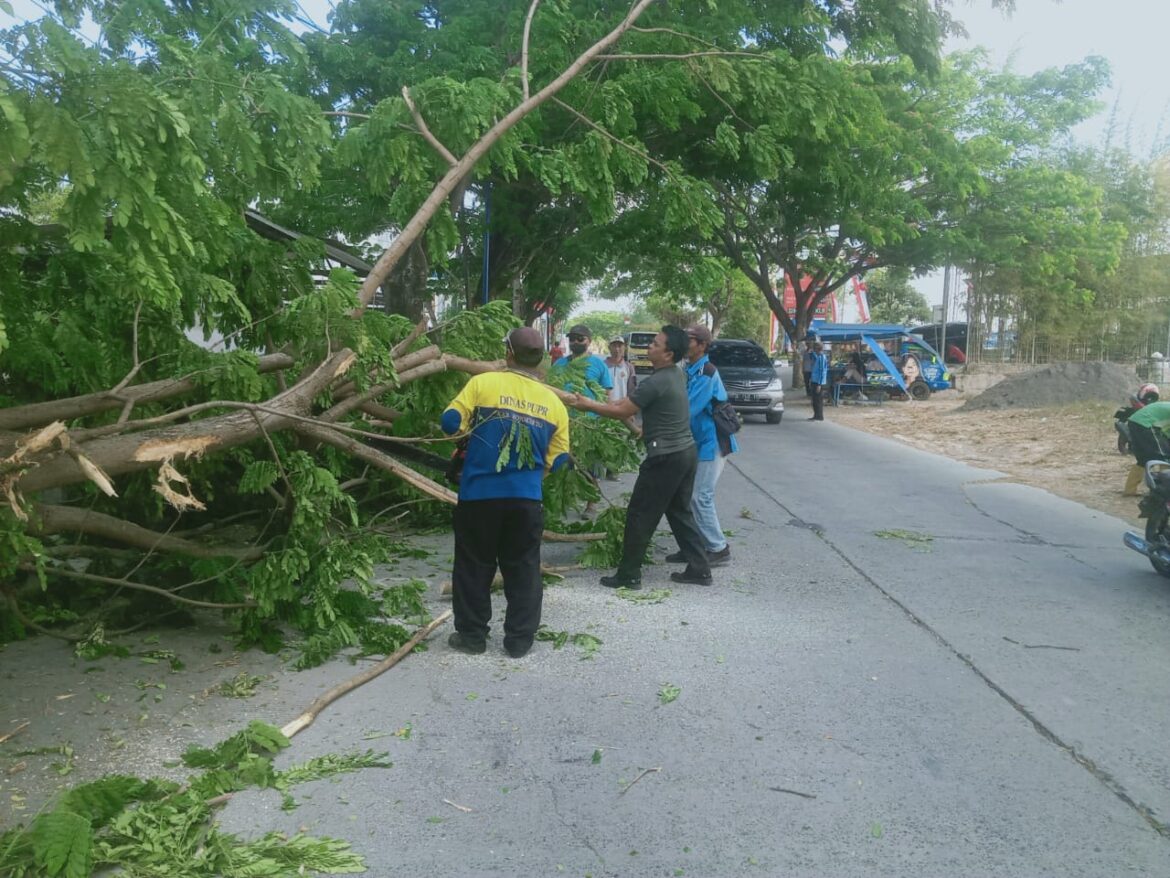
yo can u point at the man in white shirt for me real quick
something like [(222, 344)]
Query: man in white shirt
[(621, 373), (620, 370)]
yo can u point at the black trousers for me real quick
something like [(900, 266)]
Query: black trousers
[(818, 401), (1144, 444), (664, 486), (504, 534)]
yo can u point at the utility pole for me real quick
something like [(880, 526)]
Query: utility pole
[(946, 309)]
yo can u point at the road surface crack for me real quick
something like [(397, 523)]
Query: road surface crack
[(1103, 777)]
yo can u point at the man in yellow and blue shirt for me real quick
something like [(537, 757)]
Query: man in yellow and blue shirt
[(518, 433)]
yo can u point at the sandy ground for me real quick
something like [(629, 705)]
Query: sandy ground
[(1070, 451)]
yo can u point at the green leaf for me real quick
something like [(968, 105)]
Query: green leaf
[(102, 799), (668, 693), (63, 844)]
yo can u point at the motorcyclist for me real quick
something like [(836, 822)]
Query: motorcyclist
[(1145, 395), (1146, 432)]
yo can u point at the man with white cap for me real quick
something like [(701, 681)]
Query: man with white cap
[(621, 373)]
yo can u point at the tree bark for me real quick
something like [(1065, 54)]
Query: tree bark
[(117, 455), (49, 519), (405, 290), (38, 414)]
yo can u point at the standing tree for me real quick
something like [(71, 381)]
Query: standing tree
[(892, 298)]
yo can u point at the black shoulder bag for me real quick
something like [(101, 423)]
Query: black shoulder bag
[(727, 419)]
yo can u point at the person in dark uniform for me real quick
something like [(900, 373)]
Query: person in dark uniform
[(499, 520), (666, 478)]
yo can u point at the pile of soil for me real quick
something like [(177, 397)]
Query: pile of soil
[(1059, 384)]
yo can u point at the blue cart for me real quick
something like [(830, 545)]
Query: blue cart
[(917, 370)]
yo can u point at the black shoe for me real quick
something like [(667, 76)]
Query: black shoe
[(690, 576), (619, 581), (718, 559), (517, 648), (715, 559), (464, 643)]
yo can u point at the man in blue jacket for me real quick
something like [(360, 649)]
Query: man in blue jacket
[(820, 377), (518, 432), (704, 386)]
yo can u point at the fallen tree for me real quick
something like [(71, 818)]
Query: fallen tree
[(296, 567), (251, 472)]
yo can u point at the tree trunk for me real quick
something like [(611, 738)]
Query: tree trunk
[(405, 292)]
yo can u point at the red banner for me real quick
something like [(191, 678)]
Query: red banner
[(826, 310)]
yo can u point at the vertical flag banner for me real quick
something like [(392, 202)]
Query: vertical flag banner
[(861, 291)]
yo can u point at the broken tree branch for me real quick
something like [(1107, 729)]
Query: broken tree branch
[(421, 124), (310, 713), (639, 153), (37, 414), (443, 189), (645, 771), (137, 586), (329, 436), (668, 57), (135, 452), (401, 348), (524, 48), (51, 519)]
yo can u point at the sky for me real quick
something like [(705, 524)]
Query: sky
[(1130, 34)]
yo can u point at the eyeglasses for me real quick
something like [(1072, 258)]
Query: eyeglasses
[(578, 338), (508, 342)]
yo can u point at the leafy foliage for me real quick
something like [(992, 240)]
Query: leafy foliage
[(607, 552), (893, 300), (156, 828)]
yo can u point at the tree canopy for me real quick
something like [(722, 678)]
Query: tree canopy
[(893, 299)]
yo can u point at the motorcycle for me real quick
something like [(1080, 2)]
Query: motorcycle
[(1155, 509)]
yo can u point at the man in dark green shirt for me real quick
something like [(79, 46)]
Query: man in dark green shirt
[(667, 476)]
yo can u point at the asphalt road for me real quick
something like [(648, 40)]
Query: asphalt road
[(909, 669)]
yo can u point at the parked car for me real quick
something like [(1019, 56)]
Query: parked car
[(753, 384), (956, 334), (637, 348)]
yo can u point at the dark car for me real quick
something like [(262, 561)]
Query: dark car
[(752, 383), (956, 334)]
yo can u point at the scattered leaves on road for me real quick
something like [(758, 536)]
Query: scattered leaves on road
[(913, 539), (668, 693)]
